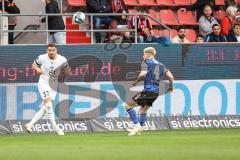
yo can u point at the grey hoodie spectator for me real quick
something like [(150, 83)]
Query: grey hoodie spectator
[(206, 21)]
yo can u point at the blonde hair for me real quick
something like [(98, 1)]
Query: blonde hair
[(231, 11), (150, 50)]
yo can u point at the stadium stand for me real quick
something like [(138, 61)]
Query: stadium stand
[(77, 3), (191, 35), (165, 3), (131, 3), (168, 17), (153, 13), (173, 31), (75, 37), (220, 2), (165, 11), (182, 2), (147, 2), (186, 18)]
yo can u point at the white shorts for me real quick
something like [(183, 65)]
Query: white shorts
[(46, 91)]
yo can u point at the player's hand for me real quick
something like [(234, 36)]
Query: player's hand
[(134, 83), (40, 19), (146, 31), (170, 89), (39, 71)]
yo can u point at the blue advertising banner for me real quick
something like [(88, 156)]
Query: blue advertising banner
[(100, 82)]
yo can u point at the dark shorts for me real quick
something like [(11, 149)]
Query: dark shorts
[(145, 98)]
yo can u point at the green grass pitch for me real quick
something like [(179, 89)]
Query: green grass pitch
[(212, 144)]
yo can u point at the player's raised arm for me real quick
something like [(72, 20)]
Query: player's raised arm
[(170, 77)]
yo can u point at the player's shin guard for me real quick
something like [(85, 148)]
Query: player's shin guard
[(133, 115), (37, 116), (142, 118)]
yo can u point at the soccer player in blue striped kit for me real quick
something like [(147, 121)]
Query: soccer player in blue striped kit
[(151, 73)]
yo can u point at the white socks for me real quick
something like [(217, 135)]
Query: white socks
[(47, 109), (51, 117), (37, 116)]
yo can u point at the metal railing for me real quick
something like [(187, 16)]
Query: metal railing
[(91, 30)]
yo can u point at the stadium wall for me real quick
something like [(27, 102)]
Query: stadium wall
[(207, 80)]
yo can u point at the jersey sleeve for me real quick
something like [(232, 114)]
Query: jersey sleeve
[(65, 64), (163, 70), (38, 61)]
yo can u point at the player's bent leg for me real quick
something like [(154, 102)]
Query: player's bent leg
[(133, 117), (36, 117), (132, 113), (49, 110)]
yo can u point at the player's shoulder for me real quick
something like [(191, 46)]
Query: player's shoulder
[(42, 56), (62, 58), (161, 64)]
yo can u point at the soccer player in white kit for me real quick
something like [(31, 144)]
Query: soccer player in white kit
[(48, 66)]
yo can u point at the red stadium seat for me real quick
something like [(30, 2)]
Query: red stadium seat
[(131, 3), (220, 2), (165, 3), (191, 35), (76, 34), (168, 17), (156, 32), (78, 40), (219, 14), (181, 2), (147, 2), (186, 18), (77, 3), (193, 1), (133, 11), (173, 33), (75, 37), (72, 26), (153, 13)]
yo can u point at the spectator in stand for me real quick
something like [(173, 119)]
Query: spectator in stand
[(118, 5), (235, 37), (216, 35), (200, 39), (235, 3), (100, 6), (12, 20), (54, 22), (229, 21), (10, 8), (7, 6), (120, 23), (144, 27), (206, 21), (181, 37), (199, 5)]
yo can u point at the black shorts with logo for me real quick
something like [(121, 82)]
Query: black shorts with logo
[(145, 98)]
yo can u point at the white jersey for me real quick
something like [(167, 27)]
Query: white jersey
[(51, 68)]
